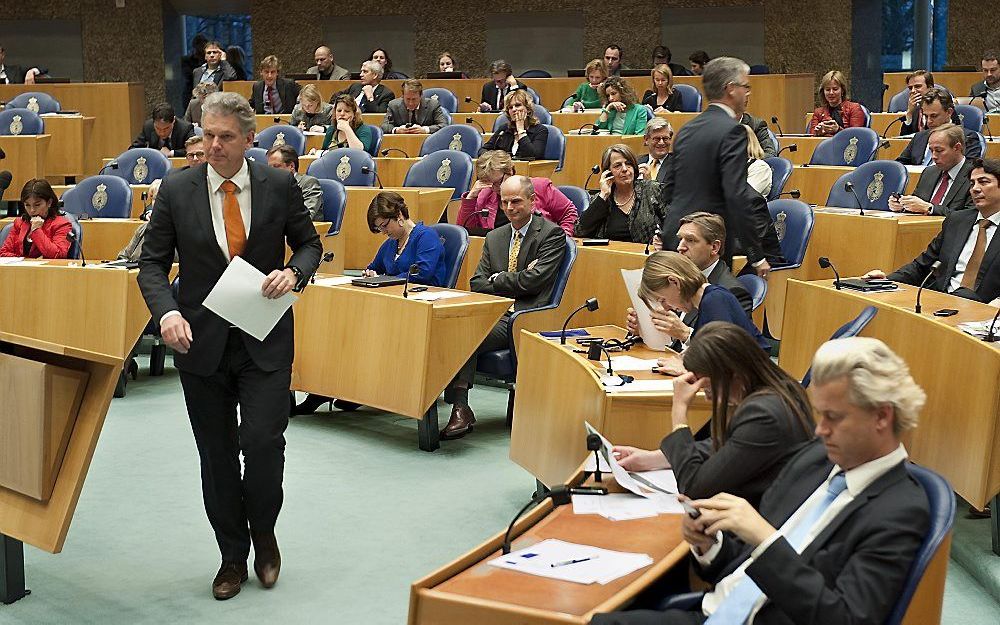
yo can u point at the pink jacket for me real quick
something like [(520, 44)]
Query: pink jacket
[(549, 202)]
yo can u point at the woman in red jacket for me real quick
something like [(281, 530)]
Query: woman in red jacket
[(40, 232), (837, 112)]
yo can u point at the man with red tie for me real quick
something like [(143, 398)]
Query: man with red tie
[(943, 187), (273, 95), (211, 213)]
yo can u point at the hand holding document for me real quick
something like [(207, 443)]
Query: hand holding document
[(237, 298), (653, 338)]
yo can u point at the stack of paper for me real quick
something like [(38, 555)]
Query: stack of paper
[(979, 329), (334, 280), (626, 506), (631, 363), (433, 296), (571, 562)]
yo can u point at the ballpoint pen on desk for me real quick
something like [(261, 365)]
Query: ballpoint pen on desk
[(565, 562)]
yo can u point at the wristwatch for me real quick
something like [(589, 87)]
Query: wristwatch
[(300, 279)]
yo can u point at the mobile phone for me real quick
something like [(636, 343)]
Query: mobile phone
[(691, 511), (417, 289), (945, 312), (895, 196)]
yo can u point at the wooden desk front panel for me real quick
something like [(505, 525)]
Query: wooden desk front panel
[(815, 181), (958, 432), (27, 158), (74, 150)]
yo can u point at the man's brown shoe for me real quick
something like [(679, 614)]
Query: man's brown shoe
[(266, 559), (460, 424), (227, 581)]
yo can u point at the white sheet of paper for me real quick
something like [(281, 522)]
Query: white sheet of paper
[(631, 363), (333, 280), (11, 260), (616, 506), (663, 479), (433, 296), (653, 338), (639, 386), (236, 298), (621, 475), (602, 566)]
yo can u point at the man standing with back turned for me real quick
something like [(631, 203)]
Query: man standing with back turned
[(210, 213)]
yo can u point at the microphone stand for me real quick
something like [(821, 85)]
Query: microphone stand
[(386, 151), (593, 129), (72, 237), (794, 194), (923, 283), (561, 495), (470, 120), (590, 304), (882, 144), (413, 270), (849, 186), (825, 263), (774, 120), (365, 169), (901, 118), (594, 353), (593, 171), (792, 147), (484, 212), (326, 258), (991, 336)]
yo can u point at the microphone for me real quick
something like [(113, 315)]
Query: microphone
[(590, 304), (365, 169), (470, 120), (276, 119), (849, 186), (414, 270), (5, 178), (386, 151), (825, 263), (923, 283), (561, 495), (482, 213), (593, 129), (774, 120), (594, 445), (72, 237), (648, 243), (594, 353), (901, 118), (794, 194), (990, 336), (793, 147), (986, 125), (111, 165), (881, 145), (3, 154), (326, 258), (256, 143), (593, 170)]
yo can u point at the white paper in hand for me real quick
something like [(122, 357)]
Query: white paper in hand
[(653, 338), (237, 299)]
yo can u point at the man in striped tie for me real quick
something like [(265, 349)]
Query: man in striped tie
[(838, 529)]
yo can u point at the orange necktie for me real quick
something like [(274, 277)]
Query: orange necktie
[(236, 234)]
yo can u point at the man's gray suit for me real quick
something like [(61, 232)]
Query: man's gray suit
[(958, 196), (429, 114)]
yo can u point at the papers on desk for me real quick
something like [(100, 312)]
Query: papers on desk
[(572, 562), (631, 363), (18, 260), (626, 506), (333, 280), (236, 298), (979, 329), (433, 296), (653, 338)]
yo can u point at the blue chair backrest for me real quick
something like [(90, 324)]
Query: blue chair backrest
[(793, 220), (941, 501), (534, 96), (258, 155), (99, 196), (4, 232), (982, 146), (756, 286), (75, 245), (376, 139), (445, 97), (759, 69), (345, 165), (868, 115), (873, 183), (579, 197), (535, 73), (970, 116), (35, 101), (456, 244), (781, 170), (899, 102), (282, 133), (650, 113), (139, 166), (555, 146), (774, 140), (334, 202), (199, 131), (690, 98), (461, 137), (849, 329), (541, 114), (20, 122), (848, 148), (562, 278), (432, 171)]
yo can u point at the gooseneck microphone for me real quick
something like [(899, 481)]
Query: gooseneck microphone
[(386, 151), (72, 237), (593, 129), (901, 118), (774, 120), (881, 145), (561, 495), (593, 171), (590, 304), (825, 263), (594, 353), (986, 126), (484, 212), (923, 283), (849, 186), (594, 444), (991, 336), (412, 271), (792, 147), (794, 194), (365, 169), (470, 120), (326, 258)]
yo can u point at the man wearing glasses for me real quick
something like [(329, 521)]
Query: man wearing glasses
[(659, 140)]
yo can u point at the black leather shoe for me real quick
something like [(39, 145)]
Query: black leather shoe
[(267, 559), (346, 406), (310, 404), (228, 580), (976, 513), (461, 422)]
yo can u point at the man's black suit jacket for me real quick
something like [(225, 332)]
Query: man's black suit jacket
[(958, 196), (946, 247), (15, 74), (383, 96), (489, 95), (661, 173), (182, 220), (853, 571), (288, 91), (913, 153), (181, 133)]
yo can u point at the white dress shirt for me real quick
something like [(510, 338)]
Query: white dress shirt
[(970, 244), (725, 108), (858, 479)]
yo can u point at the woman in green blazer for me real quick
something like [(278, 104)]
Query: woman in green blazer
[(622, 115), (587, 96)]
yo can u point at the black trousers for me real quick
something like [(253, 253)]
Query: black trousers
[(239, 503), (650, 617), (496, 339)]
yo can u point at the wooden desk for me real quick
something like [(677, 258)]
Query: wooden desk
[(360, 244), (958, 83), (27, 158), (74, 152), (815, 182), (558, 390), (958, 429), (584, 151), (118, 109), (343, 334), (889, 241)]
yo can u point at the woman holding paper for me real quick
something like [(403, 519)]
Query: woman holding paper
[(761, 417)]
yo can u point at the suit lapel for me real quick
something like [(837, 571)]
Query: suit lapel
[(259, 190), (203, 212), (991, 255), (529, 240)]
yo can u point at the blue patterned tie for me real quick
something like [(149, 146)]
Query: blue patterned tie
[(736, 607)]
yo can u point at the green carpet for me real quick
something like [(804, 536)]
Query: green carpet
[(365, 514)]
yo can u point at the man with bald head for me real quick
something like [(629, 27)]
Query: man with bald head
[(520, 261), (326, 68)]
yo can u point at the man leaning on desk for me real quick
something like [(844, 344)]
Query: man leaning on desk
[(839, 527)]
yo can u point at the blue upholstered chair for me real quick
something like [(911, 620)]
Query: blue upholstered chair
[(555, 146), (534, 95), (793, 219), (849, 329), (502, 363), (781, 170), (139, 166), (868, 115), (4, 232), (774, 140), (982, 145), (334, 202), (76, 245), (535, 73), (755, 286), (445, 97), (345, 165), (690, 98), (35, 101), (579, 197), (433, 171), (376, 139), (257, 155), (970, 116), (20, 122), (199, 131), (541, 114), (848, 148), (873, 183), (282, 133), (99, 196), (899, 102), (456, 244), (459, 137)]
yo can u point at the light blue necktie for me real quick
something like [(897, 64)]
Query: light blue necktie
[(927, 157), (736, 607)]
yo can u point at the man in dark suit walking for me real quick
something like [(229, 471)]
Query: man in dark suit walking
[(943, 187), (659, 140), (165, 132), (838, 529), (413, 113), (520, 260), (272, 94), (708, 170), (211, 213)]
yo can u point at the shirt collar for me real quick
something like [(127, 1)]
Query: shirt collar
[(953, 172), (725, 108), (707, 271), (995, 218), (862, 476), (241, 179), (523, 230)]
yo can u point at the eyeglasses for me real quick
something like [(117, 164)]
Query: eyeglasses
[(661, 139), (383, 227), (194, 156)]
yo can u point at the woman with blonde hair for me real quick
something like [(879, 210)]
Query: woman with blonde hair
[(622, 114), (348, 129), (663, 96), (587, 96), (759, 173), (312, 113), (836, 112), (523, 136)]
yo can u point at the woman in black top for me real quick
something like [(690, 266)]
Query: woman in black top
[(627, 208), (663, 96), (761, 417), (523, 136), (381, 57)]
